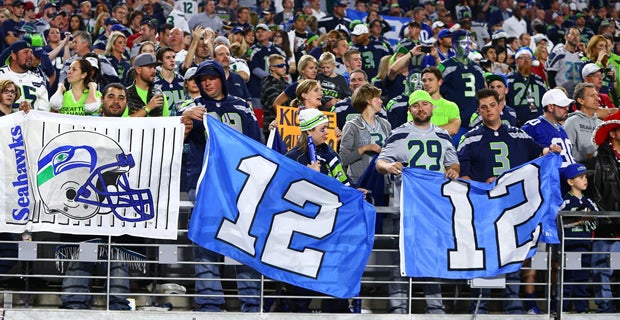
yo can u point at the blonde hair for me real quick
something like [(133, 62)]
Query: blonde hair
[(110, 45), (5, 83), (384, 67), (327, 57), (99, 23), (304, 61)]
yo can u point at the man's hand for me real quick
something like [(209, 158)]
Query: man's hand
[(194, 113)]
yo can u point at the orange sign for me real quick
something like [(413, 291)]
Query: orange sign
[(288, 125)]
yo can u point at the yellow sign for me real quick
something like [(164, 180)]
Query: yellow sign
[(288, 125)]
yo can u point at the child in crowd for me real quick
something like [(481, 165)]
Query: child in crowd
[(335, 87), (575, 176)]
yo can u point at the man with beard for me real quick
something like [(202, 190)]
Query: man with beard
[(235, 112), (547, 129), (31, 84), (564, 64), (525, 89), (142, 99), (432, 150)]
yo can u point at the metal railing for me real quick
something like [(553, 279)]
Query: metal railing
[(36, 282)]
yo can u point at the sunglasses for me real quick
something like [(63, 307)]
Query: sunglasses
[(281, 65)]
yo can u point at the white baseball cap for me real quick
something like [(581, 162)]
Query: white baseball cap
[(359, 29), (589, 69), (557, 97)]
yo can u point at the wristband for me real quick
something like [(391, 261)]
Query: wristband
[(146, 109)]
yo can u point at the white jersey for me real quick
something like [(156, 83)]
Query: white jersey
[(178, 19), (188, 7), (32, 86)]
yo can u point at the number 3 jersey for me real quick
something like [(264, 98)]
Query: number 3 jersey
[(33, 87), (460, 84), (429, 149), (484, 152)]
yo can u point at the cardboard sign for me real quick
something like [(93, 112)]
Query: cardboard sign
[(288, 125)]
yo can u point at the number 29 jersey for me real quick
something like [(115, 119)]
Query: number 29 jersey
[(484, 152), (460, 84)]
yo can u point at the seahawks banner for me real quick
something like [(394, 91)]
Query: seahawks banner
[(397, 24), (458, 229), (90, 175), (281, 218)]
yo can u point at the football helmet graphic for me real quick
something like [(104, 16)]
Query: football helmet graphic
[(80, 180)]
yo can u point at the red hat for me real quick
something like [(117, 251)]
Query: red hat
[(601, 132), (28, 5)]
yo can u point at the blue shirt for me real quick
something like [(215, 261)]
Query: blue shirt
[(521, 88), (546, 134), (485, 153), (460, 84)]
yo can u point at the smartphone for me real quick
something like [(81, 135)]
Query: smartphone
[(426, 49)]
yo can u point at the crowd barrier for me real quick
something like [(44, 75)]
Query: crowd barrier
[(32, 289)]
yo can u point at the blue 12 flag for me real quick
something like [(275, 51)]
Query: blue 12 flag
[(461, 229), (281, 218)]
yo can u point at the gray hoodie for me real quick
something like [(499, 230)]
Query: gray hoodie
[(579, 128)]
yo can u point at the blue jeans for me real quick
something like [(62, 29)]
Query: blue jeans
[(602, 273), (213, 286), (84, 270)]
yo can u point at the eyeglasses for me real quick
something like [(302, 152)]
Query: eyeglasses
[(7, 91), (281, 65)]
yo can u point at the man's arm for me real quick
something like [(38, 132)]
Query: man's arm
[(385, 167), (452, 126)]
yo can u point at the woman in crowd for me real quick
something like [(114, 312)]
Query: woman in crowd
[(280, 39), (308, 68), (76, 24), (364, 135), (9, 93), (541, 55), (99, 24), (313, 123), (5, 14), (250, 37), (116, 52), (78, 95), (598, 52)]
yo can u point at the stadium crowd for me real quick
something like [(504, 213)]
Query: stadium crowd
[(470, 88)]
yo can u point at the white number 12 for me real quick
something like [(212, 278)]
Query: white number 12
[(278, 251)]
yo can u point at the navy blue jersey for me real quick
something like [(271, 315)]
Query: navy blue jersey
[(173, 91), (371, 56), (122, 68), (546, 134), (485, 153), (397, 109), (237, 87), (10, 25), (460, 84), (330, 22), (231, 110), (258, 64), (522, 92)]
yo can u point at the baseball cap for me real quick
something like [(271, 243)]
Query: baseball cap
[(443, 34), (49, 5), (340, 3), (28, 5), (589, 69), (262, 26), (299, 16), (490, 77), (438, 24), (419, 95), (145, 59), (18, 3), (189, 74), (237, 30), (19, 45), (311, 118), (557, 14), (557, 97), (359, 29), (574, 170), (110, 21)]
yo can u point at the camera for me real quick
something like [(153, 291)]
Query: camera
[(68, 34), (426, 49)]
